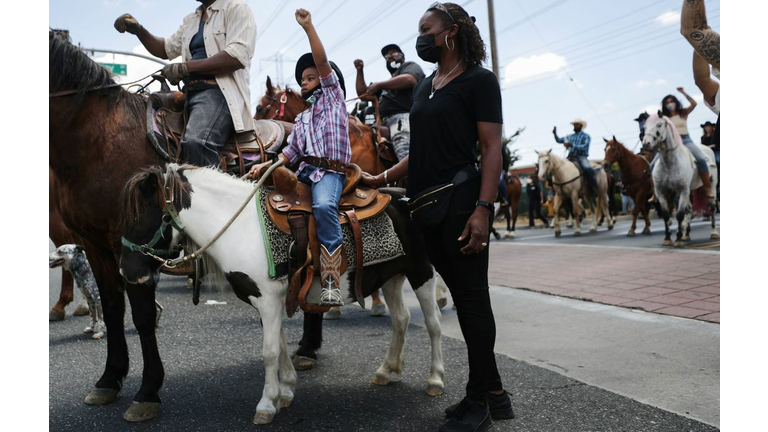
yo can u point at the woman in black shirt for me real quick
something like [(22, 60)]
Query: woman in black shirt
[(453, 109)]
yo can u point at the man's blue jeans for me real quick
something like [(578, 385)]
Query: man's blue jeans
[(587, 169), (208, 128), (325, 205)]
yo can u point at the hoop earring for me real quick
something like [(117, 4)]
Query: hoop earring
[(446, 43)]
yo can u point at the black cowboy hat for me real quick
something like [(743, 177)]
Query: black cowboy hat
[(307, 60), (642, 117), (708, 123), (389, 47)]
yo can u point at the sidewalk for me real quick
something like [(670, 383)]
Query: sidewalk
[(679, 283)]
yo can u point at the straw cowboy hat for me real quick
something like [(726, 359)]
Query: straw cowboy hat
[(581, 122)]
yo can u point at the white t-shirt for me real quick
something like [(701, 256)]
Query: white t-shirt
[(716, 107)]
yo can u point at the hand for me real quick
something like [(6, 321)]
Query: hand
[(127, 23), (374, 89), (554, 130), (175, 72), (304, 18), (568, 145), (256, 170), (359, 64), (477, 229), (681, 90), (370, 180)]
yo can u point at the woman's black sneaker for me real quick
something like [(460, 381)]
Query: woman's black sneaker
[(468, 416), (500, 406)]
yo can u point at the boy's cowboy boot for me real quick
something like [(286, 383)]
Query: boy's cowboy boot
[(330, 265)]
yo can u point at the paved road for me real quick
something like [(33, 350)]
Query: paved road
[(214, 378), (700, 231)]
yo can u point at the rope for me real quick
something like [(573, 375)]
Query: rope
[(196, 254)]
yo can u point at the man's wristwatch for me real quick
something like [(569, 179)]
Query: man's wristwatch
[(486, 204)]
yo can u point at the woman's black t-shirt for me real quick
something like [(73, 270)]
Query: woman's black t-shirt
[(444, 128)]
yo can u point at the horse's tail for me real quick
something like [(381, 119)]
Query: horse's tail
[(700, 202)]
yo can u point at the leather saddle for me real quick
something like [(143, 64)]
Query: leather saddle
[(166, 115), (289, 206)]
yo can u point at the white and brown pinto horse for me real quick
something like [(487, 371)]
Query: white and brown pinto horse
[(568, 182), (675, 177), (205, 200)]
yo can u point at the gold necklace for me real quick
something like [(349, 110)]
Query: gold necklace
[(439, 86)]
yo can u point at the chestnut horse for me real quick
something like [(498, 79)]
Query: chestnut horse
[(60, 235), (636, 177)]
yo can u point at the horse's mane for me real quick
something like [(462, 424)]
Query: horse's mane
[(132, 200), (69, 68), (356, 126), (675, 133)]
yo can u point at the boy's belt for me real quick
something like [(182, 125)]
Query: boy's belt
[(326, 163), (207, 81)]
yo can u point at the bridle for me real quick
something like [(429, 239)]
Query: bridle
[(171, 217), (279, 111)]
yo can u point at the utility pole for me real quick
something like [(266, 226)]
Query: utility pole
[(492, 28)]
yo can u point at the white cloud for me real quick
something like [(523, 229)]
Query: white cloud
[(646, 83), (523, 68), (668, 18)]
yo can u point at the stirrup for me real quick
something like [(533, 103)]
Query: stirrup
[(330, 297)]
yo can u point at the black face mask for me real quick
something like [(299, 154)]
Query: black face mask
[(309, 95), (393, 66), (426, 48)]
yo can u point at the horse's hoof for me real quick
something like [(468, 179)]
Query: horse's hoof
[(631, 234), (577, 234), (610, 227), (679, 244), (454, 306), (142, 411), (380, 380), (303, 363), (557, 233), (714, 236), (667, 243), (332, 314), (101, 396), (647, 231), (497, 235), (55, 316), (285, 402), (81, 310), (510, 235), (378, 310), (263, 418), (98, 335), (190, 283), (686, 238), (593, 230), (441, 303), (435, 390)]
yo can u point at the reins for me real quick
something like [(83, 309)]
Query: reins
[(171, 263), (71, 92)]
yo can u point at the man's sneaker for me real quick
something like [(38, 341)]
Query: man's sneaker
[(499, 405), (468, 416)]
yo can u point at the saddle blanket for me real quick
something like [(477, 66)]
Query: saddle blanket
[(380, 242)]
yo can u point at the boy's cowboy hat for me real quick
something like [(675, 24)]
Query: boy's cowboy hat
[(307, 60)]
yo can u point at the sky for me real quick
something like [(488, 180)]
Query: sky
[(604, 61)]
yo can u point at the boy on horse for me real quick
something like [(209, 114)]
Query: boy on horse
[(216, 43), (578, 145), (321, 142)]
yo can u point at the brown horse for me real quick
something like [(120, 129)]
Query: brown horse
[(97, 141), (514, 190), (60, 235), (636, 177)]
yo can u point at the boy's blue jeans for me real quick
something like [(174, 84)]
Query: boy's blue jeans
[(325, 205)]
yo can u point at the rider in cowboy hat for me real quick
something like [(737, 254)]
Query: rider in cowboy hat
[(578, 145), (320, 137)]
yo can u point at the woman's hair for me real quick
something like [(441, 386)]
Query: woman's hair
[(468, 39), (678, 105)]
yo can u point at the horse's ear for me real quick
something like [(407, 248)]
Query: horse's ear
[(660, 114), (614, 138), (537, 153), (549, 151), (78, 249), (605, 139), (149, 184), (270, 89)]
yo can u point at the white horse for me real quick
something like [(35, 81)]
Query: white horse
[(205, 200), (568, 182), (675, 177)]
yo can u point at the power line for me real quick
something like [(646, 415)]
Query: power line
[(368, 21), (299, 38), (272, 17), (539, 12)]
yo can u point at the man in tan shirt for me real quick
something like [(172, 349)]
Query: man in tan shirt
[(216, 43)]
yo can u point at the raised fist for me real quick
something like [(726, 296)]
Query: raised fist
[(127, 23), (304, 18), (359, 64)]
